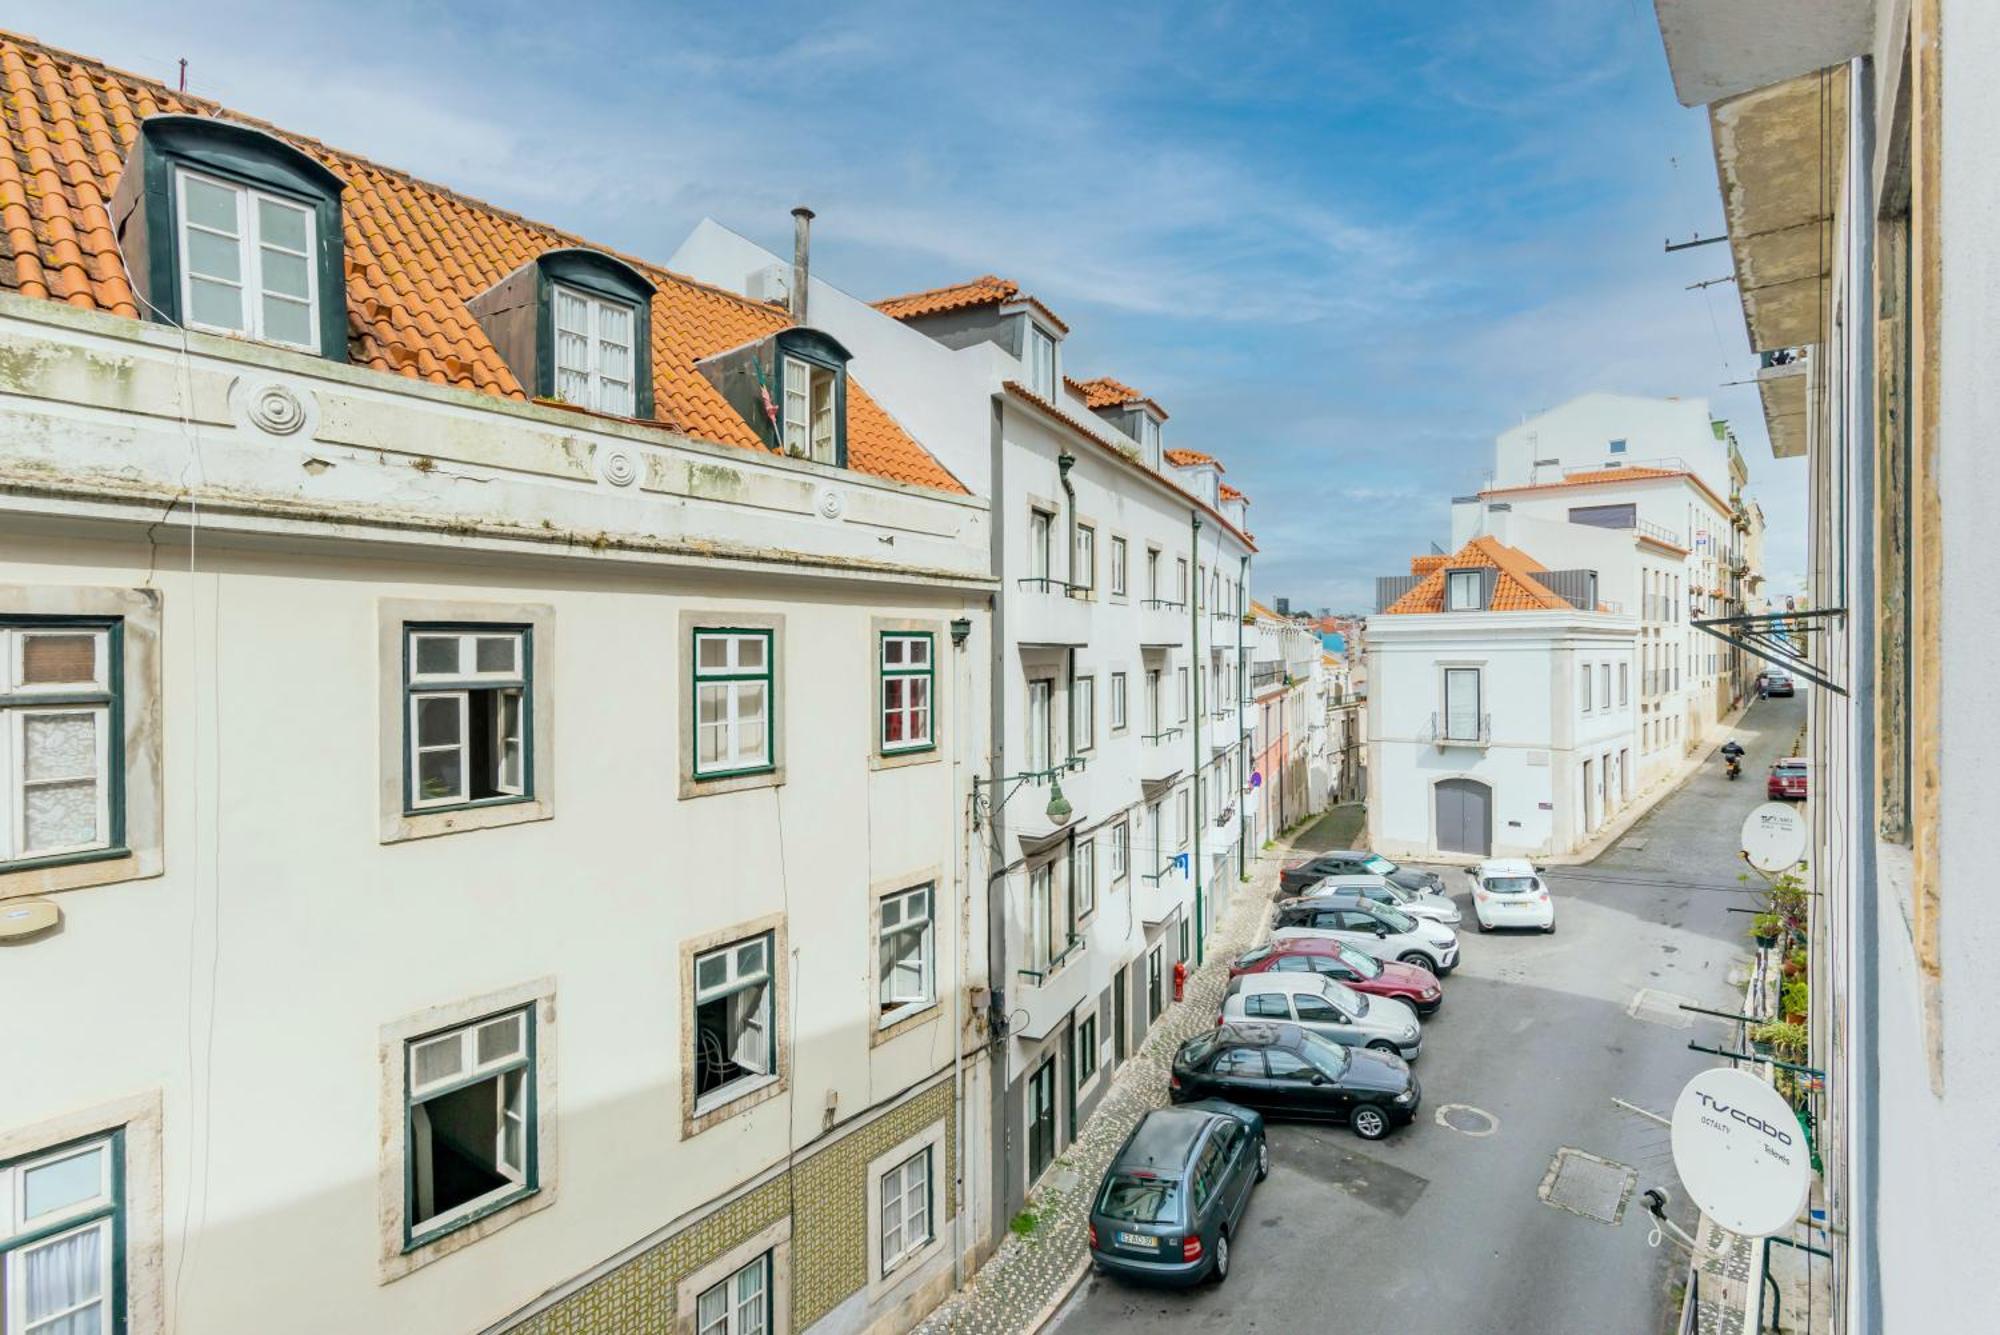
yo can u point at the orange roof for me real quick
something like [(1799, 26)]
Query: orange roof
[(415, 254), (1423, 565), (1515, 590), (985, 290), (1193, 459), (1104, 392), (1601, 475), (1230, 493)]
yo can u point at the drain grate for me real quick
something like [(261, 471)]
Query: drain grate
[(1656, 1007), (1586, 1185)]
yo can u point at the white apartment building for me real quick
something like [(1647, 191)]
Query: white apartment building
[(1854, 139), (1503, 707), (482, 841), (1107, 819), (1664, 481)]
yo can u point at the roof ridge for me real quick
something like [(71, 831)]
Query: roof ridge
[(223, 111), (947, 287)]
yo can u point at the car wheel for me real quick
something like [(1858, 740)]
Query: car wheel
[(1383, 1045), (1418, 958), (1369, 1123), (1263, 1160), (1220, 1271), (1550, 929), (1485, 927)]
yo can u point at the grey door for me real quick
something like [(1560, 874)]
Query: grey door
[(1464, 817)]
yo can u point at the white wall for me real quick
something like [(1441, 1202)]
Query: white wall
[(1579, 434)]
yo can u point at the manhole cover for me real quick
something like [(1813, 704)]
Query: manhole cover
[(1467, 1120), (1586, 1185), (1656, 1007)]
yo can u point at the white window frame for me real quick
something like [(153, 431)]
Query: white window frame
[(1449, 731), (1041, 540), (903, 667), (1083, 877), (1462, 593), (603, 391), (22, 703), (1587, 706), (1121, 851), (731, 1320), (1153, 719), (511, 781), (731, 678), (1041, 917), (1119, 549), (250, 247), (1119, 716), (1083, 559), (1041, 737), (1149, 440), (906, 913), (1083, 714), (1039, 361), (101, 1213), (894, 1192), (514, 1077), (1181, 684), (737, 978), (811, 410), (1183, 815)]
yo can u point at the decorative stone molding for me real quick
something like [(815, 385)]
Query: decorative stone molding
[(620, 470), (274, 409)]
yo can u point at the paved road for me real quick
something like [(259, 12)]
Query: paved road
[(1434, 1230)]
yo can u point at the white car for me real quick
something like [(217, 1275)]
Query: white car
[(1432, 904), (1332, 1010), (1385, 933), (1510, 892)]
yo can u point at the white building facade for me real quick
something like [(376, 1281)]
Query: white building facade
[(1501, 715)]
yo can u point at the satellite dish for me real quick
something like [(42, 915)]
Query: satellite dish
[(1774, 837), (1741, 1152)]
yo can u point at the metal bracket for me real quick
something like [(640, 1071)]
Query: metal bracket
[(1778, 638)]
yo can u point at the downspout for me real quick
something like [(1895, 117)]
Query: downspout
[(1861, 657), (961, 726), (999, 978), (1242, 804), (1194, 719)]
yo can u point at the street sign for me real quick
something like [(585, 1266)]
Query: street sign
[(1741, 1152), (1774, 837)]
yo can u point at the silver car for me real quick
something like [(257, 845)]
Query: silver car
[(1435, 905), (1330, 1009), (1387, 934)]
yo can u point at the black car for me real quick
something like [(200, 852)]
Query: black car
[(1282, 1070), (1170, 1203), (1299, 877)]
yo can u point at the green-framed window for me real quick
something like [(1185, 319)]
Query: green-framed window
[(908, 676), (469, 1096), (1086, 1048), (735, 712), (735, 1029), (62, 762), (62, 1239), (468, 717)]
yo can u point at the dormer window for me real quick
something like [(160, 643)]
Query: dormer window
[(1464, 590), (1149, 440), (1040, 360), (575, 327), (230, 230), (594, 352), (790, 387), (810, 397)]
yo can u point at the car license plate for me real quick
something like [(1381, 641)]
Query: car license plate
[(1139, 1240)]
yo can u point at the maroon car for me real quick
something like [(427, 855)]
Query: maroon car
[(1343, 963), (1788, 779)]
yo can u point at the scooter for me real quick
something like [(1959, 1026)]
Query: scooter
[(1734, 769), (1732, 755)]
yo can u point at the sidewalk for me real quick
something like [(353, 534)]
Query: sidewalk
[(1033, 1272)]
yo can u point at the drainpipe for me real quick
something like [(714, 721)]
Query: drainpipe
[(1194, 718), (801, 260), (1242, 814), (1000, 978)]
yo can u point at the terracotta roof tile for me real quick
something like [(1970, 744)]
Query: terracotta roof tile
[(1105, 392), (415, 253), (1230, 493), (1194, 459), (985, 290), (1423, 565), (1597, 476), (1515, 589)]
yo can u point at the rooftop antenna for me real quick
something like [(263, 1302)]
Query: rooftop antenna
[(184, 74)]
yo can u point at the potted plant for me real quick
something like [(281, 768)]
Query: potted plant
[(1765, 928), (1795, 963), (1782, 1039), (1794, 1001)]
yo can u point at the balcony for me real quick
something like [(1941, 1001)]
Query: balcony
[(1460, 731), (1156, 895), (1163, 623), (1047, 995), (1052, 612)]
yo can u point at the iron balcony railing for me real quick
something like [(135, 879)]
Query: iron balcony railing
[(1042, 974), (1266, 674), (1459, 730), (1163, 604), (1660, 531)]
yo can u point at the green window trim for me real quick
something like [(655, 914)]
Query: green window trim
[(242, 156), (820, 352), (113, 1209), (411, 630), (700, 676), (112, 699), (927, 673), (608, 279), (415, 1237)]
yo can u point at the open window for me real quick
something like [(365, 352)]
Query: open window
[(468, 717), (908, 953), (471, 1103), (735, 1037), (575, 326)]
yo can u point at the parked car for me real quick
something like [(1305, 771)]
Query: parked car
[(1788, 779), (1510, 892), (1329, 1009), (1778, 683), (1296, 876), (1170, 1203), (1282, 1070), (1437, 906), (1387, 934), (1415, 987)]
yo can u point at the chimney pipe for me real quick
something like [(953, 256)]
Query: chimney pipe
[(801, 260)]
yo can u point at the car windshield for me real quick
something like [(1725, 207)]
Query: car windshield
[(1250, 957), (1510, 885), (1398, 921), (1141, 1200), (1377, 865), (1328, 1057), (1791, 771), (1361, 962)]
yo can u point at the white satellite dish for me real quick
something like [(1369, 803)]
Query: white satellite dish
[(1741, 1152), (1774, 837)]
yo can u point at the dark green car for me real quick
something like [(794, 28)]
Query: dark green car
[(1170, 1204)]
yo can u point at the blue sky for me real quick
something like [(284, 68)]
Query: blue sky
[(1344, 243)]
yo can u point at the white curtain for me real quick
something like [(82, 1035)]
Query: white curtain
[(66, 1273)]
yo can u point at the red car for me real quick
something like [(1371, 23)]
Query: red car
[(1788, 779), (1343, 963)]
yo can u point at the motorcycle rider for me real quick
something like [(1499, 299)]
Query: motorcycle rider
[(1732, 755)]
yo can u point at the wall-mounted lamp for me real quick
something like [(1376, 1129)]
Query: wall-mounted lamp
[(961, 631)]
